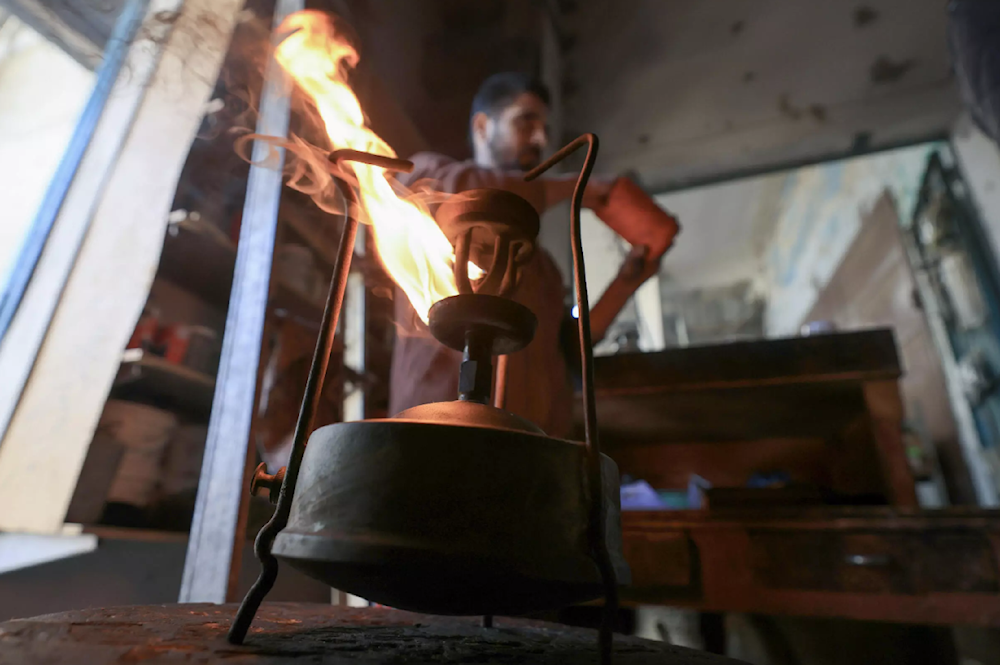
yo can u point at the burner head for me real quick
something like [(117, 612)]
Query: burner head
[(451, 508), (503, 325), (494, 229), (496, 210)]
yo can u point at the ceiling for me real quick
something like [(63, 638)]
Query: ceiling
[(679, 92), (682, 91)]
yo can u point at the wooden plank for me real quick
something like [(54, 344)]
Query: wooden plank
[(214, 550), (728, 582), (815, 410), (848, 517), (854, 356), (48, 436)]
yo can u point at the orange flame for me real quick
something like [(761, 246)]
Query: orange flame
[(415, 252)]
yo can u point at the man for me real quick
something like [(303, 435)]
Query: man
[(509, 134)]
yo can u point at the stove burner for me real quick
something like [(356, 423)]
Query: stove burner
[(460, 507), (493, 228)]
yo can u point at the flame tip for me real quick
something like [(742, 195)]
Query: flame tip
[(411, 246)]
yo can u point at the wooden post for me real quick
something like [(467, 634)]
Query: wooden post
[(885, 409), (217, 535)]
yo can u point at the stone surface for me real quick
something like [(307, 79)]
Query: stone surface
[(287, 632)]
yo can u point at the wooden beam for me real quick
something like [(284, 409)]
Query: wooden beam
[(51, 429), (886, 413), (849, 356)]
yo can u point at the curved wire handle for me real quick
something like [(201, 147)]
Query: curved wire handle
[(597, 523), (310, 400)]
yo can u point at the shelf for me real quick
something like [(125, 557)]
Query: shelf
[(136, 535), (200, 259), (152, 379)]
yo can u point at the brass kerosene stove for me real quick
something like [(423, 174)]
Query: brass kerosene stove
[(453, 507)]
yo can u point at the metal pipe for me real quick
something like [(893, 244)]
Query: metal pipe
[(214, 552), (311, 398), (597, 526), (475, 374)]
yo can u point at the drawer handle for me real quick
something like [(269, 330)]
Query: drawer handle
[(868, 560)]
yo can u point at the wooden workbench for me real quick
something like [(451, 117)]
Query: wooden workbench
[(873, 564), (826, 411), (298, 632)]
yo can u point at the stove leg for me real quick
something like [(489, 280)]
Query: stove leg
[(268, 574), (310, 400)]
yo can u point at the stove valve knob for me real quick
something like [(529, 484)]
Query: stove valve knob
[(264, 480)]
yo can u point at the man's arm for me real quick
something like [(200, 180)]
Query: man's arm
[(452, 176), (634, 272)]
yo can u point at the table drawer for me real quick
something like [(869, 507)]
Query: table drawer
[(660, 559), (863, 561)]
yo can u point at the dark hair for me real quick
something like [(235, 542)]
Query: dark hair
[(499, 90)]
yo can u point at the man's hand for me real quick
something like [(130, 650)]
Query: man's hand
[(638, 266)]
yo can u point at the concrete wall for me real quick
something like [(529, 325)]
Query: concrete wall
[(818, 216), (688, 90), (42, 91), (978, 159)]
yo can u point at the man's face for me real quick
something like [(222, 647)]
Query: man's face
[(516, 137)]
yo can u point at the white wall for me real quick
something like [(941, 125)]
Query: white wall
[(979, 161), (42, 91), (725, 229), (818, 216)]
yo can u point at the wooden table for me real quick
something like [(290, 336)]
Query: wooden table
[(826, 411), (873, 564), (296, 632)]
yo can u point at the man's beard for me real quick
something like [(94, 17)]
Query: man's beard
[(525, 160), (529, 158)]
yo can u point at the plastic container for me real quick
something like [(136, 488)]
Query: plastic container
[(634, 215)]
